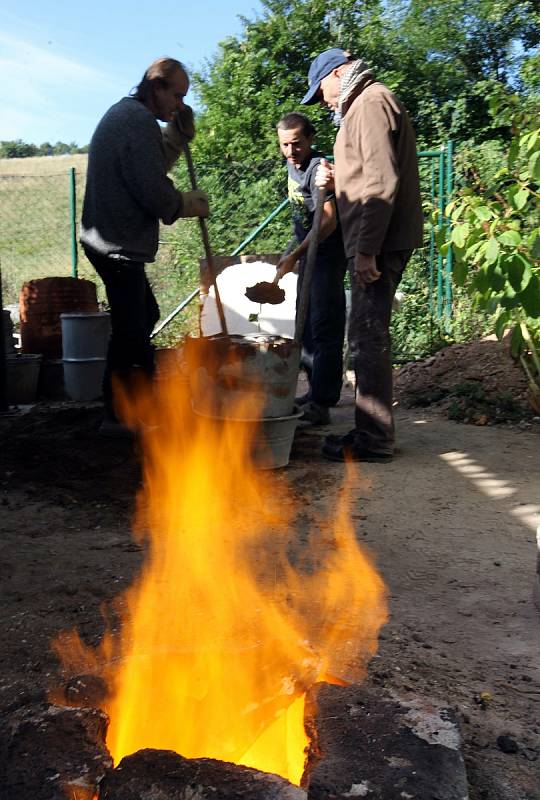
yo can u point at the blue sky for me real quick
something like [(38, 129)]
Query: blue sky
[(64, 63)]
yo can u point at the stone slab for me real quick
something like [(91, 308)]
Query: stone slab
[(364, 744), (165, 775), (50, 752)]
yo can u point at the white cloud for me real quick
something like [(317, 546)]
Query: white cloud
[(23, 61), (47, 96)]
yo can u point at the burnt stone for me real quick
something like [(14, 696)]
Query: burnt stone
[(507, 744), (367, 744), (166, 775), (50, 752)]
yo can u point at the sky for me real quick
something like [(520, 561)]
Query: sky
[(64, 63)]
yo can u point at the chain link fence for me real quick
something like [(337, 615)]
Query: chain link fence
[(40, 218), (39, 222)]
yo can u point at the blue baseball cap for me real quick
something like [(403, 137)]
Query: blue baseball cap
[(320, 68)]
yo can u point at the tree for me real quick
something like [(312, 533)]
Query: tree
[(495, 237), (431, 52), (17, 149)]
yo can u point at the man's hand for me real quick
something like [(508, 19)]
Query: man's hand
[(285, 264), (365, 268), (185, 123), (194, 204), (324, 177)]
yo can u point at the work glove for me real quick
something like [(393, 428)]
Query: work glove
[(177, 133), (194, 204), (185, 123)]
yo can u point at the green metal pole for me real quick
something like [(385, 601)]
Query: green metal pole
[(449, 256), (261, 227), (235, 252), (73, 217), (432, 243), (440, 265)]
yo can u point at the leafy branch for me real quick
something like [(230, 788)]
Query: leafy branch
[(494, 234)]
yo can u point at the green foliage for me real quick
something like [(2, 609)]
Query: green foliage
[(436, 55), (495, 236), (18, 149)]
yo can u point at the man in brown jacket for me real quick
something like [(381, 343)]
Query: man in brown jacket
[(375, 178)]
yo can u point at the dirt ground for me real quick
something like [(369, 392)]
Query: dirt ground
[(451, 523)]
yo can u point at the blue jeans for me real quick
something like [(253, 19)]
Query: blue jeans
[(134, 312), (325, 328)]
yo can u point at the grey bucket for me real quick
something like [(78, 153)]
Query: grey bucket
[(22, 377), (85, 335), (83, 378), (272, 439), (85, 338)]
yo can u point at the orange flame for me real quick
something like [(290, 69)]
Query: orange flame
[(237, 611)]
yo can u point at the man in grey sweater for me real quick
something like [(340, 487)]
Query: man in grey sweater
[(127, 194), (376, 183)]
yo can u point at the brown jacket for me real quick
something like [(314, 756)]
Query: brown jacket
[(376, 175)]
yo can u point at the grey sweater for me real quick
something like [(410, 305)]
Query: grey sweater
[(127, 188)]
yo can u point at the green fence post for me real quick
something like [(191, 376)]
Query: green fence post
[(440, 264), (431, 280), (449, 255), (73, 218)]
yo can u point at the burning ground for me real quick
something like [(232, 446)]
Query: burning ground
[(449, 524)]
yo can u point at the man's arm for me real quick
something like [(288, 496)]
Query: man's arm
[(144, 172), (328, 225), (375, 125)]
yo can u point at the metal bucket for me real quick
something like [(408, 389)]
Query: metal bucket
[(272, 438), (83, 378), (85, 335), (22, 377), (236, 377), (85, 339)]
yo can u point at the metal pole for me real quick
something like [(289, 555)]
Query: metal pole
[(440, 266), (235, 252), (449, 255), (206, 244), (3, 360), (73, 217), (431, 243), (175, 311), (261, 227)]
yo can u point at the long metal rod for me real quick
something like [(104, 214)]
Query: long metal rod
[(175, 312), (73, 218), (3, 360), (449, 255), (431, 244), (440, 265), (206, 244), (180, 307), (261, 227)]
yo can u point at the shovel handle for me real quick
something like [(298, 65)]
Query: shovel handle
[(303, 301), (206, 243)]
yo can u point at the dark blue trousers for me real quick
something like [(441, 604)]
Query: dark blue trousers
[(325, 328)]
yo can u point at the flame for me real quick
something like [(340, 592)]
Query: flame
[(237, 610)]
